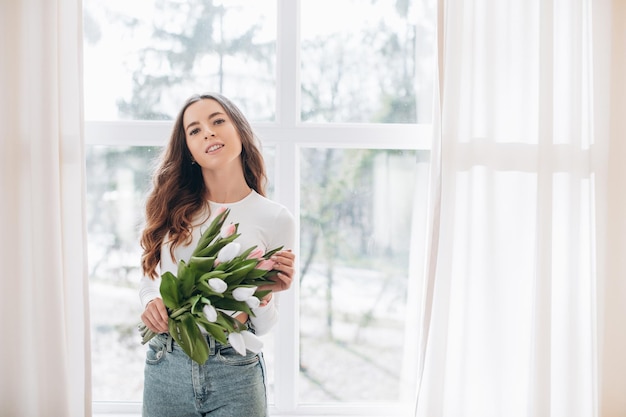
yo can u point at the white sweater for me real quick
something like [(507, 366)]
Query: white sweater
[(262, 222)]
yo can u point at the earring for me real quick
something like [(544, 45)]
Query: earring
[(193, 162)]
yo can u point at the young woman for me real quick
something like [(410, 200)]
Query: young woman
[(211, 161)]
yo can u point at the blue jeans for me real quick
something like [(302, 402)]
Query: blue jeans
[(226, 385)]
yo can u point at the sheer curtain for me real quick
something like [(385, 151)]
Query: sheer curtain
[(43, 289), (525, 289)]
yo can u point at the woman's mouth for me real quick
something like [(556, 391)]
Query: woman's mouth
[(213, 148)]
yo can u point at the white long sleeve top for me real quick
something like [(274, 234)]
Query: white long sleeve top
[(262, 222)]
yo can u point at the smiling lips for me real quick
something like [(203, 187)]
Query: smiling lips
[(213, 147)]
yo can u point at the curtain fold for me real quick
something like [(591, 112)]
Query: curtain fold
[(523, 280), (611, 262), (45, 363)]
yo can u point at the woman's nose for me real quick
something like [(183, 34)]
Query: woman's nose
[(208, 133)]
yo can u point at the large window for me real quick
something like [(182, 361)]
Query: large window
[(340, 93)]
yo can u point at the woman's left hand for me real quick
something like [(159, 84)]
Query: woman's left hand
[(284, 264)]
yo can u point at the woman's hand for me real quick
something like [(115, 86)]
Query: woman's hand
[(284, 264), (155, 316)]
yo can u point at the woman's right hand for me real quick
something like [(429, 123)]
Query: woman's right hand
[(155, 316)]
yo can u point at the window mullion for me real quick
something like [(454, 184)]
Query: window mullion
[(287, 332), (286, 186), (288, 63)]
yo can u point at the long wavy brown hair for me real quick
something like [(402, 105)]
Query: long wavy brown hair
[(178, 191)]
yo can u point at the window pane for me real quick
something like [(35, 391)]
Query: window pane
[(142, 59), (118, 179), (367, 60), (356, 212)]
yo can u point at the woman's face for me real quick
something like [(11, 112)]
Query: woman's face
[(211, 135)]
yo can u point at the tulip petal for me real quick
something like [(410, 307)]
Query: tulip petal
[(227, 230), (210, 313), (253, 302), (237, 342), (218, 285), (256, 254), (243, 293), (253, 343), (228, 252), (266, 265)]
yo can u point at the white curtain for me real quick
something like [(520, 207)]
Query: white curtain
[(44, 348), (525, 295)]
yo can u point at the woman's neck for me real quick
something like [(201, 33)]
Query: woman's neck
[(230, 195), (226, 188)]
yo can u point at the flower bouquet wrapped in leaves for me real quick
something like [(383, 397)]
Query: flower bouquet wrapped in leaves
[(216, 278)]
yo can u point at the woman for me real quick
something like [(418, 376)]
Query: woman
[(211, 161)]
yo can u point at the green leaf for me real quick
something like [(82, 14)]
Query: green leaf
[(194, 342), (207, 291), (231, 304), (169, 291), (222, 267), (173, 329), (230, 323), (257, 282), (215, 247), (262, 293), (233, 283), (186, 279), (211, 232), (197, 303), (213, 274), (203, 263), (241, 271), (215, 330), (185, 329), (256, 273), (270, 253), (270, 274)]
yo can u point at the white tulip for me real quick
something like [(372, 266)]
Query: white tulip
[(218, 285), (210, 313), (236, 341), (243, 293), (253, 343), (228, 252), (253, 302)]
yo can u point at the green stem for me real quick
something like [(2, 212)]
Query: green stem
[(180, 311)]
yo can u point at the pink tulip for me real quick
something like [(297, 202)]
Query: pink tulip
[(256, 254), (266, 265), (228, 230)]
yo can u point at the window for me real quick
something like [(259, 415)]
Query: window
[(341, 95)]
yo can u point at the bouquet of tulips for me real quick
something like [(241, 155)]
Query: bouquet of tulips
[(216, 278)]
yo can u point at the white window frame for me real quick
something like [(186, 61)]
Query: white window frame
[(287, 135)]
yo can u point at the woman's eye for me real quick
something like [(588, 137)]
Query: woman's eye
[(219, 121), (194, 131)]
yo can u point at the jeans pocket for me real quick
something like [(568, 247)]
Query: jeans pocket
[(156, 351), (229, 356)]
